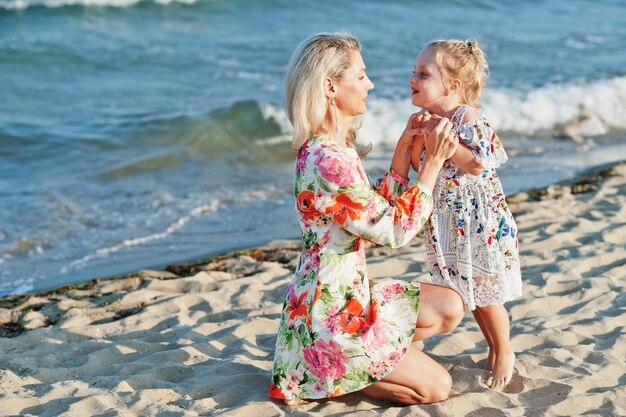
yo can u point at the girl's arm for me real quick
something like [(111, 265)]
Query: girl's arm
[(479, 147), (465, 159)]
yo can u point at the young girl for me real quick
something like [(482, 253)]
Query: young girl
[(471, 237)]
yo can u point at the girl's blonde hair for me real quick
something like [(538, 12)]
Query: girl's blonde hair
[(320, 56), (463, 60)]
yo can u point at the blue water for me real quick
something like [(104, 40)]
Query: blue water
[(138, 133)]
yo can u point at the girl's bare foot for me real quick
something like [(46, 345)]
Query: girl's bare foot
[(297, 401), (502, 370)]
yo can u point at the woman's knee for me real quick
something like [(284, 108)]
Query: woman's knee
[(453, 311), (439, 389)]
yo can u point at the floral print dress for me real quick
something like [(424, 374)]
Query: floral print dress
[(471, 238), (340, 333)]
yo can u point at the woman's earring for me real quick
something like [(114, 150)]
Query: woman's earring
[(337, 125)]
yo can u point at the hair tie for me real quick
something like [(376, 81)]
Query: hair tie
[(470, 45)]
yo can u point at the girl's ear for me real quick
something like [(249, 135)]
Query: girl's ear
[(329, 88), (455, 86)]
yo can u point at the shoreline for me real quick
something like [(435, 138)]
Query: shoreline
[(192, 338), (581, 183)]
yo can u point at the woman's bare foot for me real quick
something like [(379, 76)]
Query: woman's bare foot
[(502, 370), (297, 401)]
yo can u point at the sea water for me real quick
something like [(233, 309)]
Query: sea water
[(135, 133)]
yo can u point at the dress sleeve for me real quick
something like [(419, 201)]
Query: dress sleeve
[(391, 185), (341, 194), (483, 142)]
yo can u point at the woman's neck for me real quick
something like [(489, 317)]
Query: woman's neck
[(329, 128)]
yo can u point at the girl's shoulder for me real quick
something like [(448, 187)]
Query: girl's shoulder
[(465, 115)]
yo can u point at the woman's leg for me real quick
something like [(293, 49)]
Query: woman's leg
[(440, 311), (496, 320), (417, 379)]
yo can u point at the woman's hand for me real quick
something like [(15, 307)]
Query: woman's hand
[(440, 144), (442, 141), (413, 133), (416, 127)]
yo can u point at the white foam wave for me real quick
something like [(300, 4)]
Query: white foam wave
[(25, 4), (600, 106), (128, 243), (272, 111), (18, 286), (240, 198)]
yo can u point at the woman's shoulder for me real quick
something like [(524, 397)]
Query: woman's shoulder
[(321, 146)]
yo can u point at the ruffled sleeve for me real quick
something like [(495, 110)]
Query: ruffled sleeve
[(483, 142), (341, 194)]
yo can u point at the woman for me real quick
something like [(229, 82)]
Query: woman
[(337, 333)]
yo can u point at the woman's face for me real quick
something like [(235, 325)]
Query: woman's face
[(427, 88), (351, 90)]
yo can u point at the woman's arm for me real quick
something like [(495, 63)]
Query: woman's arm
[(402, 156)]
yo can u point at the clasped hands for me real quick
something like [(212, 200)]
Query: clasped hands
[(433, 132)]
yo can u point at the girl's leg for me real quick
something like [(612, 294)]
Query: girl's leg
[(496, 321), (488, 337), (417, 379), (440, 311)]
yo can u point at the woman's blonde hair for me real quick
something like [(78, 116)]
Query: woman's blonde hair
[(463, 60), (318, 57)]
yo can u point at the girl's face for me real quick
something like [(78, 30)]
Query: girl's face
[(352, 88), (427, 88)]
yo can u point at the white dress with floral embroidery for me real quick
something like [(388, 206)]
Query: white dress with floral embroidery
[(340, 333), (471, 238)]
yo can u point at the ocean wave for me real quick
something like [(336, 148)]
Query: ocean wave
[(175, 226), (25, 4), (241, 198), (588, 109)]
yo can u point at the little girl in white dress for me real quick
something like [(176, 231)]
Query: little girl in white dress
[(471, 237)]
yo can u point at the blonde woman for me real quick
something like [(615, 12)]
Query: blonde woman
[(340, 333)]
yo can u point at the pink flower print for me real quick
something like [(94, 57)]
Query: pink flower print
[(357, 284), (394, 358), (390, 290), (292, 384), (325, 360), (377, 370), (303, 155), (314, 254), (335, 170), (409, 223), (332, 321), (376, 336), (306, 267), (318, 387)]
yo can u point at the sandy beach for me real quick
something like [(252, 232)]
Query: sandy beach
[(199, 339)]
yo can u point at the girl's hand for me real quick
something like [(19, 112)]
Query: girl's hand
[(416, 126), (442, 141)]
